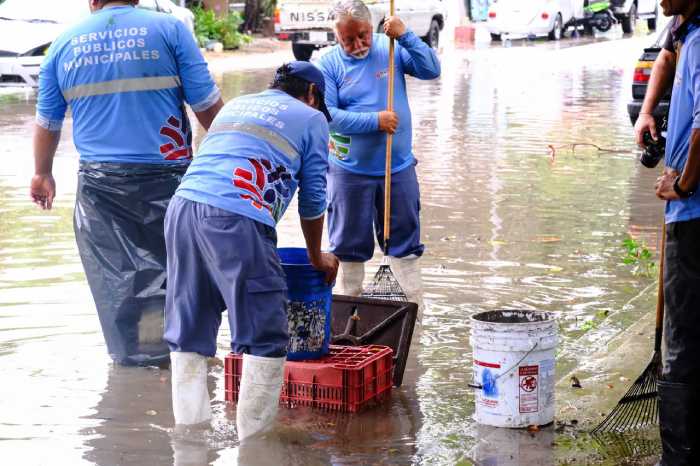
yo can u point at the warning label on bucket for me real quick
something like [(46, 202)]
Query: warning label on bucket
[(529, 375)]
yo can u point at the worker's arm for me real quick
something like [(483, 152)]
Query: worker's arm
[(312, 194), (51, 108), (418, 59), (659, 82), (690, 177), (43, 186), (344, 121), (205, 117), (323, 261), (201, 92)]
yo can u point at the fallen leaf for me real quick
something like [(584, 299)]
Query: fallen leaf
[(611, 385), (533, 429), (549, 239), (575, 382)]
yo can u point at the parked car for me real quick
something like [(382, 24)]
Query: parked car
[(528, 18), (308, 24), (642, 72), (27, 29), (628, 11)]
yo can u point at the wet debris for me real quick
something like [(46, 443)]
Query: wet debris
[(575, 382), (307, 325)]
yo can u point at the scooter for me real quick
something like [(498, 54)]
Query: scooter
[(597, 14)]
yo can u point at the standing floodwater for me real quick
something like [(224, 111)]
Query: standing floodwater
[(508, 224)]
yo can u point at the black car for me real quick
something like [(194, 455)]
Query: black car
[(642, 72)]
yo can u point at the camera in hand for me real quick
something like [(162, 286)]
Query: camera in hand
[(654, 150)]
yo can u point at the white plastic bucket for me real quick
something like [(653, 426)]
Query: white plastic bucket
[(514, 367)]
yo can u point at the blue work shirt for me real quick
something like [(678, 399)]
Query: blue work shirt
[(684, 116), (259, 149), (356, 91), (126, 73)]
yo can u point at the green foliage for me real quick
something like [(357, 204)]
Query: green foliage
[(207, 26), (639, 257), (595, 321)]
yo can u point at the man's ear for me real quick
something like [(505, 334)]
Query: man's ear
[(311, 95)]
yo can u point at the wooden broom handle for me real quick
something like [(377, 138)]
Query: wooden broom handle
[(660, 293), (389, 140)]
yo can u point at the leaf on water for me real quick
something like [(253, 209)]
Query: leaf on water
[(549, 239), (575, 382)]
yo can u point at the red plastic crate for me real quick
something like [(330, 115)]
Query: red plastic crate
[(348, 379)]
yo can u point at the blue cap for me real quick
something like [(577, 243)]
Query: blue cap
[(308, 72)]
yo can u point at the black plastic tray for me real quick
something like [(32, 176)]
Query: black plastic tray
[(368, 321)]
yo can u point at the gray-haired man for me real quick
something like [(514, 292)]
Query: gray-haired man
[(356, 72)]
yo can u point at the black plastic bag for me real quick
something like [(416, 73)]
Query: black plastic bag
[(118, 222)]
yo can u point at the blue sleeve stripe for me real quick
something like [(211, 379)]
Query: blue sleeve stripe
[(121, 85), (48, 124), (208, 102)]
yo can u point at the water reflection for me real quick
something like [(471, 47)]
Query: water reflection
[(513, 447)]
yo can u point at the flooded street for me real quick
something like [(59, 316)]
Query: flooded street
[(508, 222)]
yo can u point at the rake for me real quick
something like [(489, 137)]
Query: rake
[(639, 407), (384, 285)]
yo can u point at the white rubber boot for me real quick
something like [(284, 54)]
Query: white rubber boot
[(407, 272), (191, 404), (259, 395), (350, 278)]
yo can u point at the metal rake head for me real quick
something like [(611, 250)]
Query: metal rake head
[(615, 445), (385, 286), (639, 407)]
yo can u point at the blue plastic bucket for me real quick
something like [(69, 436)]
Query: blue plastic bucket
[(309, 306)]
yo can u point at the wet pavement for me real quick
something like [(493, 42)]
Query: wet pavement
[(507, 221)]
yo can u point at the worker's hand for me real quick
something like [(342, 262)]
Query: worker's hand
[(645, 122), (328, 264), (43, 190), (394, 27), (664, 186), (388, 121)]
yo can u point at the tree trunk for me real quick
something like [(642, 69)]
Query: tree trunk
[(251, 16)]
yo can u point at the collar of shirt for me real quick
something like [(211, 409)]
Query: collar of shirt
[(679, 30)]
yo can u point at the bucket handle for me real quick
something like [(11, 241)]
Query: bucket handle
[(478, 386)]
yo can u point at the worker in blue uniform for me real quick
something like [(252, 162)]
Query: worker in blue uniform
[(126, 74), (356, 73), (221, 240)]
